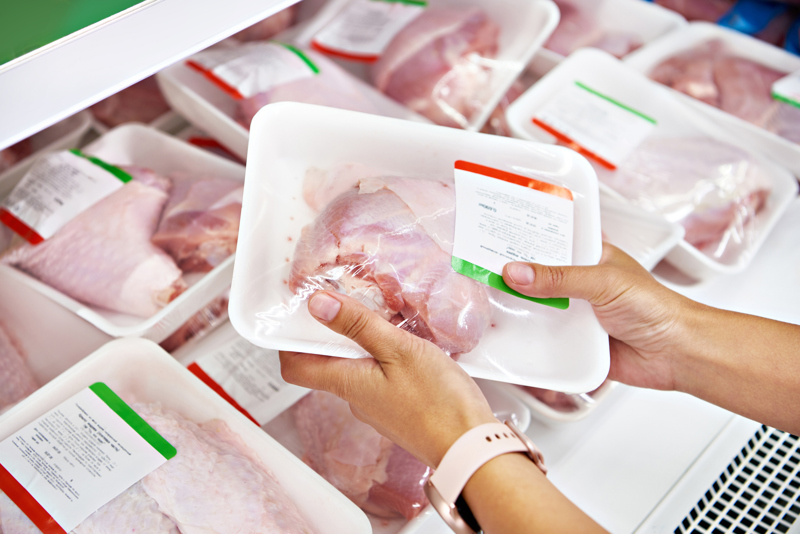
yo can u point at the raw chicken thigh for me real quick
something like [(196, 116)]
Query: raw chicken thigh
[(141, 102), (214, 484), (370, 470), (200, 223), (269, 27), (104, 257), (387, 243), (436, 65), (577, 29), (16, 379), (733, 84), (713, 189), (332, 87)]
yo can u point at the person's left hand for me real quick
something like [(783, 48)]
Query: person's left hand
[(411, 392)]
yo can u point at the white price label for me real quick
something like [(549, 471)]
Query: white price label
[(787, 89), (594, 124), (247, 69), (55, 190), (364, 28), (503, 217), (249, 378), (77, 457)]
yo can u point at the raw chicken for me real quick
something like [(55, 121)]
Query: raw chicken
[(437, 64), (497, 123), (388, 244), (104, 257), (199, 324), (708, 10), (141, 102), (214, 484), (15, 153), (200, 223), (713, 189), (16, 379), (370, 470), (733, 84), (332, 87), (577, 29), (269, 27)]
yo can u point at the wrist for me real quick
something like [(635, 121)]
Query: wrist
[(699, 338), (448, 434)]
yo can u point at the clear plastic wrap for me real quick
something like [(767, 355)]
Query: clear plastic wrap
[(557, 406), (578, 28), (377, 475), (201, 323), (714, 190), (743, 88), (16, 378), (141, 102)]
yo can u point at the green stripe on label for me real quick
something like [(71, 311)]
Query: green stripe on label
[(421, 3), (301, 55), (116, 171), (134, 420), (785, 100), (494, 280), (616, 103)]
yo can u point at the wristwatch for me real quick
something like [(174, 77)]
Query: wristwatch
[(468, 454)]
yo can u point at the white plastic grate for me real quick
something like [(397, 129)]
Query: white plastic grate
[(758, 491)]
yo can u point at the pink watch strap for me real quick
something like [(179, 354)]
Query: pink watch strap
[(472, 450)]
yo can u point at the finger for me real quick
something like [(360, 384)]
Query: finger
[(340, 376), (372, 332), (594, 283)]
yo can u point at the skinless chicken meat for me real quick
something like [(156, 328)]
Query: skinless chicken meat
[(16, 379), (141, 102), (332, 87), (269, 27), (370, 470), (713, 189), (214, 484), (577, 29), (15, 153), (708, 10), (103, 257), (387, 243), (733, 84), (200, 223), (435, 65)]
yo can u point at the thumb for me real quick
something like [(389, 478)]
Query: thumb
[(596, 283), (352, 319)]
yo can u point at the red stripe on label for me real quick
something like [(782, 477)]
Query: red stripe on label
[(372, 58), (29, 234), (232, 91), (29, 506), (207, 380), (524, 181), (574, 146)]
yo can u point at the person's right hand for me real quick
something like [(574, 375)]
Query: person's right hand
[(642, 317)]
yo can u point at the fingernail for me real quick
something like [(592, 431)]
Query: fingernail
[(324, 307), (520, 274)]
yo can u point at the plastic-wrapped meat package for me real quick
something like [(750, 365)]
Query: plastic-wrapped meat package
[(141, 102), (577, 29), (16, 379), (332, 87), (563, 402), (104, 257), (199, 324), (733, 84), (200, 222), (497, 124), (714, 190), (269, 27), (708, 10), (377, 475), (214, 484), (440, 65), (387, 241), (15, 153)]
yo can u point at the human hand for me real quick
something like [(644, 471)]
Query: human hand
[(411, 392), (642, 317)]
